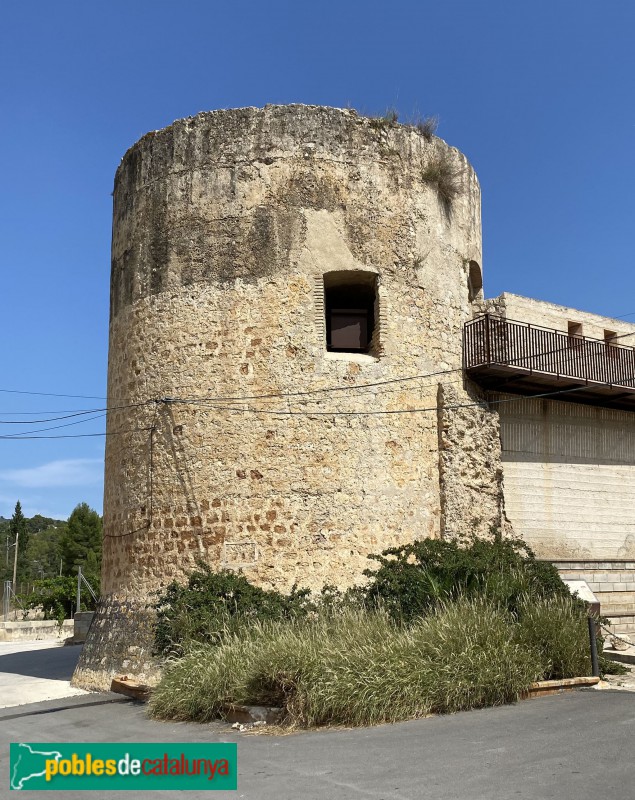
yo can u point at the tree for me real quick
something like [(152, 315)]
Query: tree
[(80, 544), (18, 532), (44, 551)]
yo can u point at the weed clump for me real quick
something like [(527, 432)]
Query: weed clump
[(390, 117), (440, 172), (427, 127)]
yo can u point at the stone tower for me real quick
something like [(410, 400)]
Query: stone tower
[(286, 282)]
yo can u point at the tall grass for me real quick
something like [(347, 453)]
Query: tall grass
[(558, 629), (356, 668)]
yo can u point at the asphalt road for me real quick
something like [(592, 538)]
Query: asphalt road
[(578, 746)]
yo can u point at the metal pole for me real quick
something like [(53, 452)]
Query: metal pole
[(5, 601), (595, 668), (79, 587), (15, 559)]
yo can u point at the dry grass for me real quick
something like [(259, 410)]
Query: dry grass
[(390, 117), (427, 127), (557, 628), (440, 172), (356, 668)]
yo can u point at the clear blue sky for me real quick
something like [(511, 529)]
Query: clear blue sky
[(538, 95)]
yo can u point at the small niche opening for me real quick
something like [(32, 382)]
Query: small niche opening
[(610, 344), (574, 332), (350, 304), (474, 282)]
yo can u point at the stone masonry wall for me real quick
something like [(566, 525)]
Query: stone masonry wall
[(235, 437)]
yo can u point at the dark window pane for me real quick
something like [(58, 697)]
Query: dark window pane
[(349, 330), (349, 300)]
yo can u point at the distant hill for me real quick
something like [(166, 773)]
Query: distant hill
[(35, 524)]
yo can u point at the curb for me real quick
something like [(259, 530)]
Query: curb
[(122, 684), (545, 688), (232, 712), (619, 655), (60, 704)]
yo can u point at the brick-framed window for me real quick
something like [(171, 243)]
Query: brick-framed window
[(351, 313)]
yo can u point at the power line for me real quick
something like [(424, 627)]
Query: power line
[(74, 413), (272, 395), (50, 419), (275, 412), (485, 404), (20, 434), (53, 394), (217, 398), (76, 435)]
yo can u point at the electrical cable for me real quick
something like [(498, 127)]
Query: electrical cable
[(75, 413), (53, 394), (273, 395), (52, 428), (78, 435), (485, 404), (49, 419), (230, 398)]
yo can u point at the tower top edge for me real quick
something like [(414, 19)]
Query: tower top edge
[(305, 116)]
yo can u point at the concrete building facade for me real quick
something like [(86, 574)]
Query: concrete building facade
[(568, 456), (289, 378)]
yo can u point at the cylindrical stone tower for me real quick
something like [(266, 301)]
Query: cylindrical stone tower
[(286, 282)]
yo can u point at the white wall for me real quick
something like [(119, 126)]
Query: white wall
[(569, 478)]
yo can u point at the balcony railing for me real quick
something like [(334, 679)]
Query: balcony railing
[(498, 351)]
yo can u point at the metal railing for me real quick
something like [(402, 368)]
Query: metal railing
[(491, 340), (81, 579), (11, 601)]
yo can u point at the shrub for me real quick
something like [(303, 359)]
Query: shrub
[(413, 579), (355, 668), (213, 604)]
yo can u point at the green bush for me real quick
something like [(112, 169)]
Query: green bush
[(214, 604), (355, 668), (413, 579), (441, 626)]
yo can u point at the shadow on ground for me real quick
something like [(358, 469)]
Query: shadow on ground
[(54, 663)]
